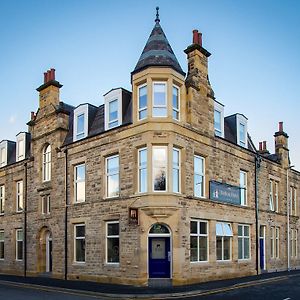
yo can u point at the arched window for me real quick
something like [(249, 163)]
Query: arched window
[(47, 163), (159, 229)]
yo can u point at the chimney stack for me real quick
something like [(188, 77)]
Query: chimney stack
[(281, 146), (49, 90)]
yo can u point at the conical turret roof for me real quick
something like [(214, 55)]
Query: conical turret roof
[(158, 51)]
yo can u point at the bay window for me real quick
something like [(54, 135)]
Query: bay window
[(159, 108), (159, 168), (175, 102), (142, 166), (176, 170), (143, 103)]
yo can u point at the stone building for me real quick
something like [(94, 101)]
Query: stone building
[(154, 183)]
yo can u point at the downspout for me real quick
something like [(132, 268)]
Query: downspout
[(288, 218), (25, 220), (257, 166), (66, 214)]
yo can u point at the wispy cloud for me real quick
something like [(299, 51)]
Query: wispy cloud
[(12, 119)]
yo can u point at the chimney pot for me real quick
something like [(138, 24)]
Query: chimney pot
[(200, 38), (280, 126), (32, 115), (45, 77), (260, 146), (264, 145), (52, 72), (195, 37)]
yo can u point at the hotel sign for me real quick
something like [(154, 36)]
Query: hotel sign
[(224, 192)]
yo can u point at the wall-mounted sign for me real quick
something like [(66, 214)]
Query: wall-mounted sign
[(133, 216), (224, 192)]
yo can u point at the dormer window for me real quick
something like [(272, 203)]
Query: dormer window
[(80, 122), (219, 119), (143, 105), (113, 108), (3, 154), (159, 99), (21, 143), (241, 130)]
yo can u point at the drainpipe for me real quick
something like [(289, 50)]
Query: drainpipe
[(66, 214), (288, 216), (25, 220), (257, 166)]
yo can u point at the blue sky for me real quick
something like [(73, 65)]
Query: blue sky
[(94, 45)]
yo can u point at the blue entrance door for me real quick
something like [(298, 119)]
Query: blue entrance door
[(159, 257), (262, 254)]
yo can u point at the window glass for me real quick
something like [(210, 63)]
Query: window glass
[(142, 170), (176, 170), (143, 102), (242, 135), (198, 241), (112, 240), (21, 149), (80, 126), (198, 176), (2, 198), (243, 187), (1, 244), (20, 204), (19, 244), (159, 100), (113, 114), (217, 118), (112, 176), (47, 163), (80, 243), (175, 103), (79, 183), (2, 156), (159, 168)]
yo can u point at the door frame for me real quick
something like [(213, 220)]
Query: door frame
[(164, 235), (48, 239)]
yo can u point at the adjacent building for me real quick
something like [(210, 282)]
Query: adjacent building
[(155, 183)]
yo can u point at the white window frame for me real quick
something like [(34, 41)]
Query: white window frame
[(113, 95), (199, 235), (244, 237), (139, 110), (165, 166), (272, 242), (293, 201), (112, 237), (2, 199), (176, 167), (294, 243), (275, 198), (46, 210), (240, 119), (80, 110), (76, 181), (17, 244), (220, 108), (2, 241), (196, 172), (141, 168), (19, 195), (21, 151), (174, 109), (47, 163), (79, 238), (224, 234), (277, 244), (271, 199), (166, 99), (107, 174), (3, 153), (243, 187)]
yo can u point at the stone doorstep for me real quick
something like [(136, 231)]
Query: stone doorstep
[(159, 282)]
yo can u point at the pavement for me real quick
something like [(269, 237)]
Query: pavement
[(114, 291)]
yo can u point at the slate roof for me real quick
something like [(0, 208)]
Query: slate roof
[(158, 52)]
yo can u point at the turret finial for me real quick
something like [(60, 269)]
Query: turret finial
[(157, 20)]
